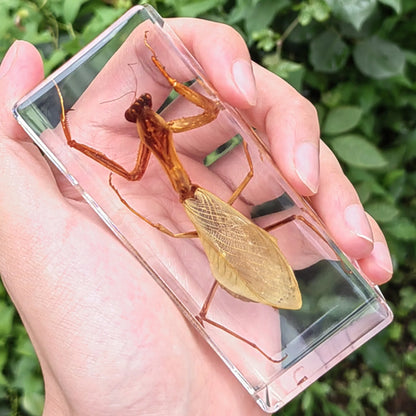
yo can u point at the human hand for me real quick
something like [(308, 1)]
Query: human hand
[(100, 339)]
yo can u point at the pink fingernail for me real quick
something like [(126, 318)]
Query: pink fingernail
[(382, 257), (307, 165), (8, 59), (242, 72), (357, 221)]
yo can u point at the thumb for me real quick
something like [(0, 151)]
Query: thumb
[(27, 186), (20, 71)]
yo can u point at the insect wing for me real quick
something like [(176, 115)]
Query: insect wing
[(244, 259)]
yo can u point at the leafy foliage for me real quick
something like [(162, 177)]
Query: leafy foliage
[(355, 60)]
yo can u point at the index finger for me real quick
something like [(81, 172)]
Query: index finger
[(270, 104)]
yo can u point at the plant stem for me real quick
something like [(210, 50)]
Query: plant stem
[(285, 35)]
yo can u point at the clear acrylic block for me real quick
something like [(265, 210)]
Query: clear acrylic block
[(292, 348)]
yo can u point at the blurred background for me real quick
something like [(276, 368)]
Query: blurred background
[(356, 61)]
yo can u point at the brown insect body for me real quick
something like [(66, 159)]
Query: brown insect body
[(156, 135), (244, 259)]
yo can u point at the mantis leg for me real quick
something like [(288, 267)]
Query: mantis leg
[(142, 158), (160, 227), (296, 217), (247, 178), (202, 317), (210, 107)]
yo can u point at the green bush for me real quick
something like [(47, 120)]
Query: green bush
[(355, 60)]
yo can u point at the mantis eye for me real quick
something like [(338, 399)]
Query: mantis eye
[(145, 100), (133, 112)]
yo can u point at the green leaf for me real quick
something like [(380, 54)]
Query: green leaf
[(396, 330), (403, 229), (6, 319), (307, 400), (290, 71), (375, 355), (341, 119), (263, 13), (410, 358), (71, 9), (23, 345), (354, 12), (394, 4), (379, 58), (382, 211), (335, 410), (411, 329), (33, 402), (328, 52), (368, 97), (320, 10), (378, 396), (57, 57), (265, 39), (356, 151), (3, 383), (407, 300), (103, 17), (364, 191), (410, 384), (314, 9), (194, 9), (239, 11)]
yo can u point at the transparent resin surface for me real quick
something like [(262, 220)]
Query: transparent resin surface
[(274, 353)]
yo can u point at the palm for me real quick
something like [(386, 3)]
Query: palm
[(126, 325), (125, 338)]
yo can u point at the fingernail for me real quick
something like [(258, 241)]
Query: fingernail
[(242, 72), (8, 59), (382, 257), (307, 165), (357, 221)]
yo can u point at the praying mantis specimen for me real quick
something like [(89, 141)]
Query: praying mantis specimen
[(245, 259)]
